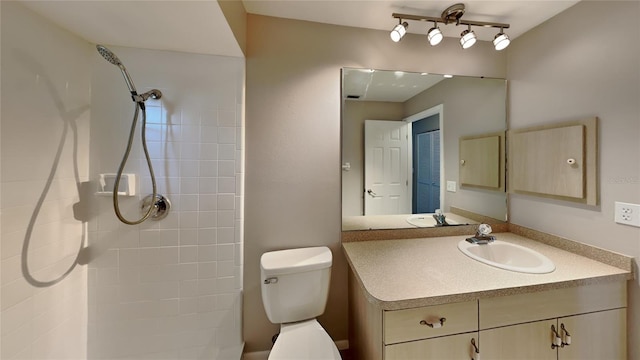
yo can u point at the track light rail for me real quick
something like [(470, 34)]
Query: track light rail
[(446, 22)]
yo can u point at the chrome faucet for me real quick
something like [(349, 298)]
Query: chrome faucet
[(482, 236), (440, 218)]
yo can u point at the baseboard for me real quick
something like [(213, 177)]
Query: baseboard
[(256, 355), (342, 344), (264, 355)]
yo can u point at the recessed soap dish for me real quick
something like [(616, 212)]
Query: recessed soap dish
[(127, 186)]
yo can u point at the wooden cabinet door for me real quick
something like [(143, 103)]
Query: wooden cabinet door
[(525, 341), (446, 347), (600, 335)]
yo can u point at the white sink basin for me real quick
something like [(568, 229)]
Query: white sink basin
[(426, 220), (508, 256)]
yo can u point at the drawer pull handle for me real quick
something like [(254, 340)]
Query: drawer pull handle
[(434, 325), (556, 342), (475, 352), (566, 337)]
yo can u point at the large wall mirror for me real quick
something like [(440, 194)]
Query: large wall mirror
[(402, 135)]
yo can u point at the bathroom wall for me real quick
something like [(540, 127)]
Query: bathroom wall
[(576, 65), (293, 140), (169, 288), (75, 283), (46, 87)]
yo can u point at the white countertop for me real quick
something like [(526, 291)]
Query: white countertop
[(397, 274)]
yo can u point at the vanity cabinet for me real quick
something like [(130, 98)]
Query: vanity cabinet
[(447, 347), (520, 326), (515, 326), (599, 335)]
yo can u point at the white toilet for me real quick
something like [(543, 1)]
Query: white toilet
[(295, 287)]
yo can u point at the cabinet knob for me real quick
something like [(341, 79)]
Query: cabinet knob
[(571, 161)]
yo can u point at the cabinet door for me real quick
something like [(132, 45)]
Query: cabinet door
[(524, 341), (446, 347), (600, 335)]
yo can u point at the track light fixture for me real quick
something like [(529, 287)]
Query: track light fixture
[(467, 38), (501, 40), (434, 35), (399, 31), (451, 15)]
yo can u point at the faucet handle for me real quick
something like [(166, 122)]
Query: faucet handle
[(484, 230)]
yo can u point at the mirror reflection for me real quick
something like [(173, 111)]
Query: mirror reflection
[(401, 160)]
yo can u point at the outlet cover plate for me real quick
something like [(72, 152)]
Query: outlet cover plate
[(451, 186), (627, 214)]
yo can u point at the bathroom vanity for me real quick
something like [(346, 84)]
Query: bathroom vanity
[(423, 298)]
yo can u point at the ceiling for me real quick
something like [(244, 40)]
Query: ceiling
[(200, 26), (522, 15), (385, 85)]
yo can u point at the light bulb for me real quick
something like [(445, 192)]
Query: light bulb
[(501, 41), (467, 39), (434, 35), (399, 31)]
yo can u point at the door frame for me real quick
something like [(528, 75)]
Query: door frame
[(438, 109)]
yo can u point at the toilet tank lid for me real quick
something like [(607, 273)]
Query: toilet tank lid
[(295, 260)]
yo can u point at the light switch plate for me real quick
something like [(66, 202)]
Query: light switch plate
[(628, 214), (451, 186)]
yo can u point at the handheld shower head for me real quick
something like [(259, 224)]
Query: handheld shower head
[(108, 55), (112, 58)]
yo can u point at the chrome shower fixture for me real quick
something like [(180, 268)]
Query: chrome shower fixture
[(451, 15), (112, 58), (154, 206)]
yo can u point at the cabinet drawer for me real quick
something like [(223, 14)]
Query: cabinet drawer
[(520, 308), (405, 325), (447, 347)]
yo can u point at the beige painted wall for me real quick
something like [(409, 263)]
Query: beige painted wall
[(293, 140), (580, 64), (236, 16), (483, 112)]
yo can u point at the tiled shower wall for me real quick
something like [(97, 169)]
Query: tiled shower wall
[(164, 289), (46, 90), (168, 288)]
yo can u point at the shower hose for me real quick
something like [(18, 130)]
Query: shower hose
[(116, 206)]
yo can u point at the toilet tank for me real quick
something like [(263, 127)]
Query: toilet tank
[(295, 283)]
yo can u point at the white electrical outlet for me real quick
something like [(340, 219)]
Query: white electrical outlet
[(628, 214), (451, 186)]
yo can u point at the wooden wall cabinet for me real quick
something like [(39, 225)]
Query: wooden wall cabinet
[(558, 161), (482, 162), (508, 327)]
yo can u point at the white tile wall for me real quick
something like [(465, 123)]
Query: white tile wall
[(46, 85), (172, 288), (167, 289)]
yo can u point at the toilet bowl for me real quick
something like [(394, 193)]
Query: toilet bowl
[(304, 340), (295, 288)]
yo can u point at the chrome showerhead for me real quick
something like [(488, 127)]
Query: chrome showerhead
[(108, 55), (112, 58)]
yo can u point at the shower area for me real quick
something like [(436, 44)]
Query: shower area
[(76, 282)]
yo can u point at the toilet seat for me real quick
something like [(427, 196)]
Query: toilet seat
[(304, 340)]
